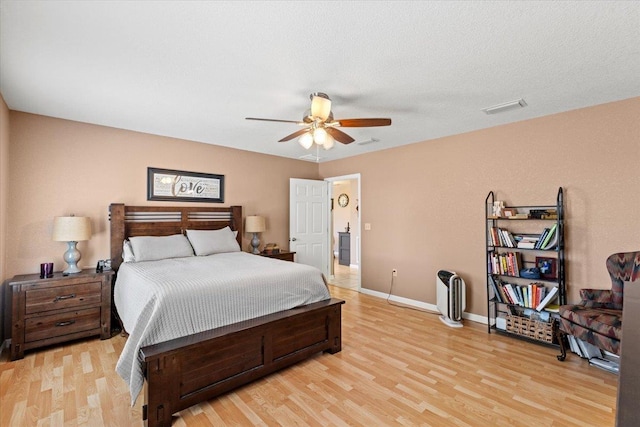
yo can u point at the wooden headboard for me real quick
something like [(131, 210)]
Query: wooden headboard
[(129, 221)]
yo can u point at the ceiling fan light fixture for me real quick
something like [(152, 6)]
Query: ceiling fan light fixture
[(321, 128), (320, 135), (306, 140), (329, 142), (320, 106)]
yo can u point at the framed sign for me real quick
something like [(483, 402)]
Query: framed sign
[(181, 186)]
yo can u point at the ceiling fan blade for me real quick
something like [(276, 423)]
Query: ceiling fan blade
[(274, 120), (294, 135), (363, 123), (339, 136)]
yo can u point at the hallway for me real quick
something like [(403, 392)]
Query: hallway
[(344, 276)]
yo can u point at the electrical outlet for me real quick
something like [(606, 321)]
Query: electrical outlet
[(394, 272)]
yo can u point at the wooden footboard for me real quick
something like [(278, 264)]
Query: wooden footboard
[(189, 370)]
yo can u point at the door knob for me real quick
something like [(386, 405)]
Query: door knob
[(293, 239)]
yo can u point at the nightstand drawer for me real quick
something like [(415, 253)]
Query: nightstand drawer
[(60, 297), (43, 327)]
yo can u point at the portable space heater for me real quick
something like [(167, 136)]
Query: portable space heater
[(451, 297)]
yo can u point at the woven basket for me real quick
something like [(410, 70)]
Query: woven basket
[(535, 329)]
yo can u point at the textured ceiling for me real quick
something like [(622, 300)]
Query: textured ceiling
[(195, 70)]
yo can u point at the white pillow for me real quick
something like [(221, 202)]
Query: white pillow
[(209, 242), (151, 248), (127, 252)]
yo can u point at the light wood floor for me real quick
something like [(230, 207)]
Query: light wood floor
[(344, 276), (397, 367)]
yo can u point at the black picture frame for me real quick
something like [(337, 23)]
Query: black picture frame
[(548, 267), (182, 186)]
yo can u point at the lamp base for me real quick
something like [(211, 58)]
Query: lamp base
[(255, 242), (71, 257)]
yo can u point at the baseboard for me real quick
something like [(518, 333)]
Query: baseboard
[(422, 305)]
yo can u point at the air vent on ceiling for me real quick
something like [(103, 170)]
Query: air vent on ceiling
[(368, 141), (511, 105)]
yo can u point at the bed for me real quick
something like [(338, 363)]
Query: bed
[(188, 369)]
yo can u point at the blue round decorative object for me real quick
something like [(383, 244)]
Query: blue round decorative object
[(530, 273)]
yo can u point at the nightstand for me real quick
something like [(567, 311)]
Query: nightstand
[(283, 255), (58, 309)]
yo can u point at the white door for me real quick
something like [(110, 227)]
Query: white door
[(309, 222)]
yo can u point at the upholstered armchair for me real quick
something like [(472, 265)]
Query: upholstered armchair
[(597, 319)]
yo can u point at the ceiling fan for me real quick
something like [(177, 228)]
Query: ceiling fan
[(320, 126)]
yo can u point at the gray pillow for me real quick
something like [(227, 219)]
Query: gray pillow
[(152, 248), (209, 242)]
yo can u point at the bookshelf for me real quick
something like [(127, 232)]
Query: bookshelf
[(525, 261)]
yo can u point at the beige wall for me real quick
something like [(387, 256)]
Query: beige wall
[(425, 201), (60, 167), (4, 188)]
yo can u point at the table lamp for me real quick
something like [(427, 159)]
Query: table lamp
[(254, 224), (71, 229)]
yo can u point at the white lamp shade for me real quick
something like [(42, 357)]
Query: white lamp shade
[(306, 140), (320, 107), (71, 228), (329, 142), (254, 224), (320, 136)]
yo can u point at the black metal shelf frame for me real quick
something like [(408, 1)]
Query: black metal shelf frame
[(491, 221)]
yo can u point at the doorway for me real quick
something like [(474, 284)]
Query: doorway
[(345, 231)]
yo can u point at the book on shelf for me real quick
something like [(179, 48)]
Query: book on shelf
[(541, 292), (494, 287), (504, 294), (548, 298), (507, 295), (526, 241), (527, 296), (513, 296), (517, 262), (493, 238), (543, 213), (543, 235), (501, 237), (553, 242), (526, 244), (510, 264), (518, 291), (553, 308), (549, 236), (530, 294), (506, 263)]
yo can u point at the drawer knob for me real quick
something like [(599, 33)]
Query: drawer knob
[(63, 297), (66, 323)]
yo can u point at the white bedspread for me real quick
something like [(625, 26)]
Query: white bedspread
[(161, 300)]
